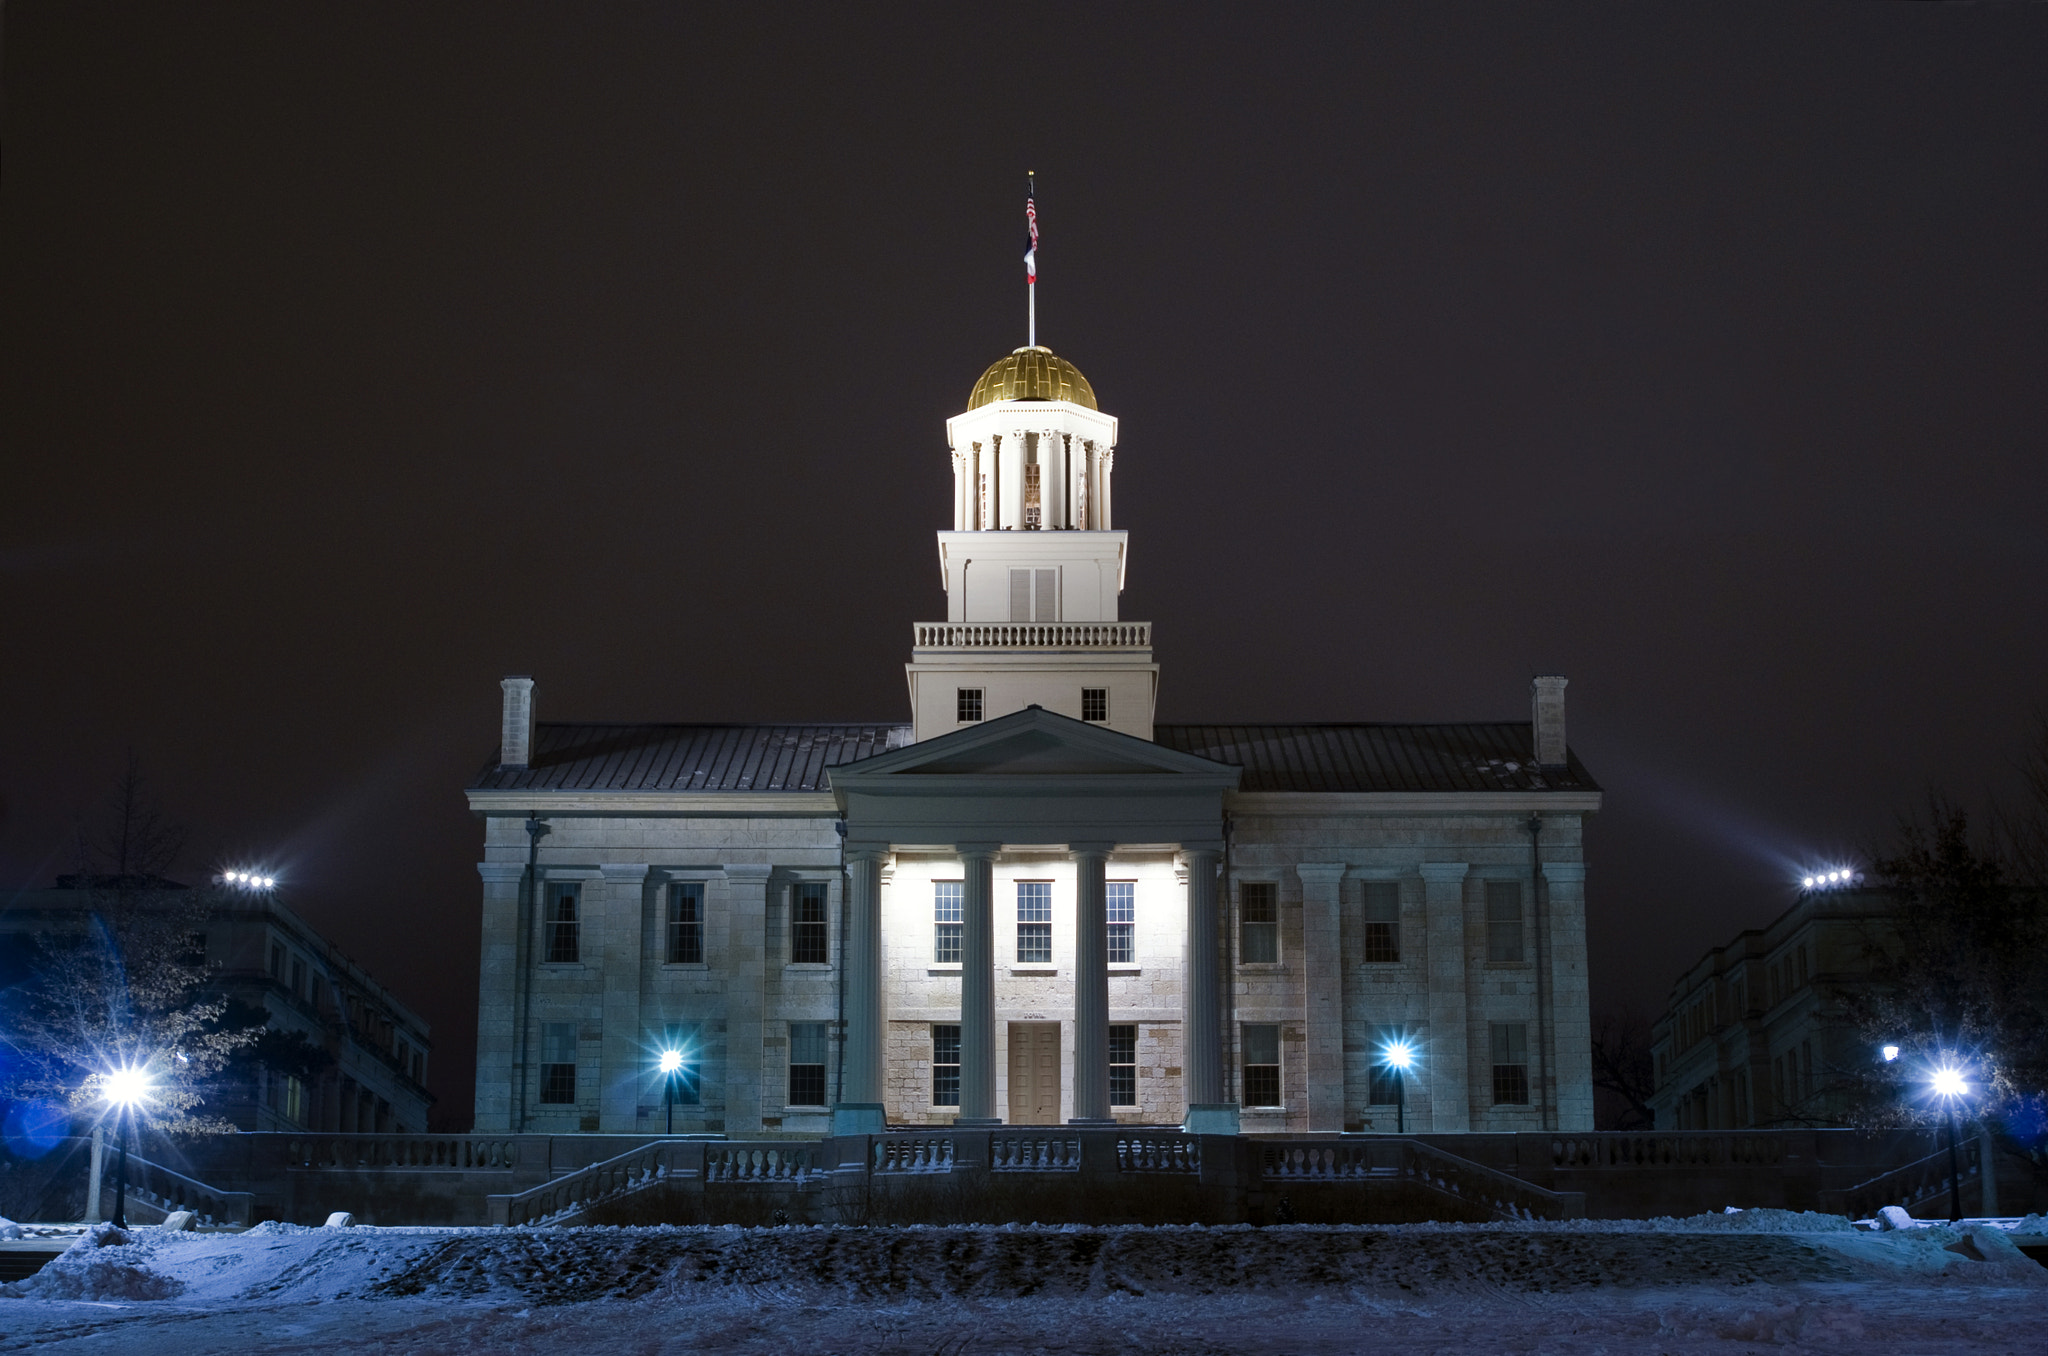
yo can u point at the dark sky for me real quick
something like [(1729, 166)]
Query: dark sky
[(355, 356)]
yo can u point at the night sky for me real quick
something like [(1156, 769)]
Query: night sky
[(355, 356)]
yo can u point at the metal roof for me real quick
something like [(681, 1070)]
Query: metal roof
[(584, 757), (791, 758), (1481, 757)]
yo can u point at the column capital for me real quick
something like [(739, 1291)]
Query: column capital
[(1189, 851), (501, 873), (1320, 873), (864, 851), (1091, 849), (977, 849), (623, 870), (1563, 873), (1444, 873)]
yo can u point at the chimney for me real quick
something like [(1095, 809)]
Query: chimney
[(1546, 715), (515, 744)]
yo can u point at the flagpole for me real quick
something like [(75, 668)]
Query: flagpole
[(1031, 255)]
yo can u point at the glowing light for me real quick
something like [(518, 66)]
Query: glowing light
[(1948, 1081), (671, 1060), (1891, 1052), (1806, 883), (1398, 1055), (126, 1086)]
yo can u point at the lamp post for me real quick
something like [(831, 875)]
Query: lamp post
[(1949, 1085), (124, 1089), (1399, 1056), (671, 1069)]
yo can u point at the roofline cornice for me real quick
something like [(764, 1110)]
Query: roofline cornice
[(1309, 803), (524, 802)]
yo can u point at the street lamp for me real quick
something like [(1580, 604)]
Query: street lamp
[(1949, 1084), (123, 1089), (1399, 1055), (671, 1069)]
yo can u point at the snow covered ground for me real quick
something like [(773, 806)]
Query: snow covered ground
[(1756, 1281)]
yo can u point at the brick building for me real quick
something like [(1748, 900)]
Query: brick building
[(1031, 902)]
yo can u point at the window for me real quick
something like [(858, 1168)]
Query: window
[(1381, 1084), (1382, 921), (1034, 922), (1122, 908), (1033, 516), (970, 705), (1259, 922), (298, 977), (294, 1100), (946, 922), (946, 1064), (1510, 1064), (686, 922), (1123, 1066), (807, 1064), (1504, 921), (1261, 1065), (558, 1063), (809, 937), (561, 918), (1095, 703), (276, 961), (1034, 595)]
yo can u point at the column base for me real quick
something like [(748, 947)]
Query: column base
[(859, 1118), (1211, 1118), (976, 1122)]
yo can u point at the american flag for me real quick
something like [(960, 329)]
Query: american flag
[(1031, 231)]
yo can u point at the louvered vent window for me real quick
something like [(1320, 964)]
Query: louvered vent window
[(1034, 595)]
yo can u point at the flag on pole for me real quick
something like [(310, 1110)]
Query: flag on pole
[(1031, 230)]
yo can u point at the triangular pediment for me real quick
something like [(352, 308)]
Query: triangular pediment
[(1032, 743)]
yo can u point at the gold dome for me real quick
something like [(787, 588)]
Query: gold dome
[(1032, 374)]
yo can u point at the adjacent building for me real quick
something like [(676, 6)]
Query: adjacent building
[(1031, 902), (1754, 1037)]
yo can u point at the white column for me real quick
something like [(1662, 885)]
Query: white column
[(959, 492), (1108, 467), (1322, 963), (498, 988), (622, 1060), (860, 1109), (1201, 986), (1570, 1024), (977, 985), (746, 920), (1091, 982), (1014, 448), (1443, 888)]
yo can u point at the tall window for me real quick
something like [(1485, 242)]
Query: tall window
[(1034, 922), (1379, 1084), (807, 1064), (1095, 703), (969, 705), (561, 919), (946, 922), (1123, 1066), (946, 1064), (298, 977), (1504, 920), (294, 1099), (558, 1063), (1261, 1065), (1382, 921), (1510, 1064), (1033, 517), (1258, 922), (809, 936), (276, 961), (686, 922), (1122, 907)]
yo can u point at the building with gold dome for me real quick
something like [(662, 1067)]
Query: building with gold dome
[(1031, 903)]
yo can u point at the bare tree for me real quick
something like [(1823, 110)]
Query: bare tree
[(125, 989), (1624, 1075)]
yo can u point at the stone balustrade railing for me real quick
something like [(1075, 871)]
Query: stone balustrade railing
[(1916, 1183), (758, 1162), (1034, 1153), (1165, 1152), (442, 1152), (1665, 1150), (159, 1190), (912, 1153), (1501, 1195), (1119, 635), (560, 1201)]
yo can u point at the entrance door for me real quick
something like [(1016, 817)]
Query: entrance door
[(1034, 1073)]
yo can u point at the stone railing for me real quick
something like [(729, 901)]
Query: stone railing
[(758, 1162), (159, 1190), (461, 1153), (1500, 1195), (1325, 1162), (1119, 635), (1916, 1183), (912, 1153), (564, 1198), (1621, 1150), (1034, 1153), (1159, 1153)]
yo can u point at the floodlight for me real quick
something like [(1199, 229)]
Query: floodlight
[(1891, 1052), (671, 1060), (1948, 1082), (1398, 1054), (1806, 884), (125, 1086)]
